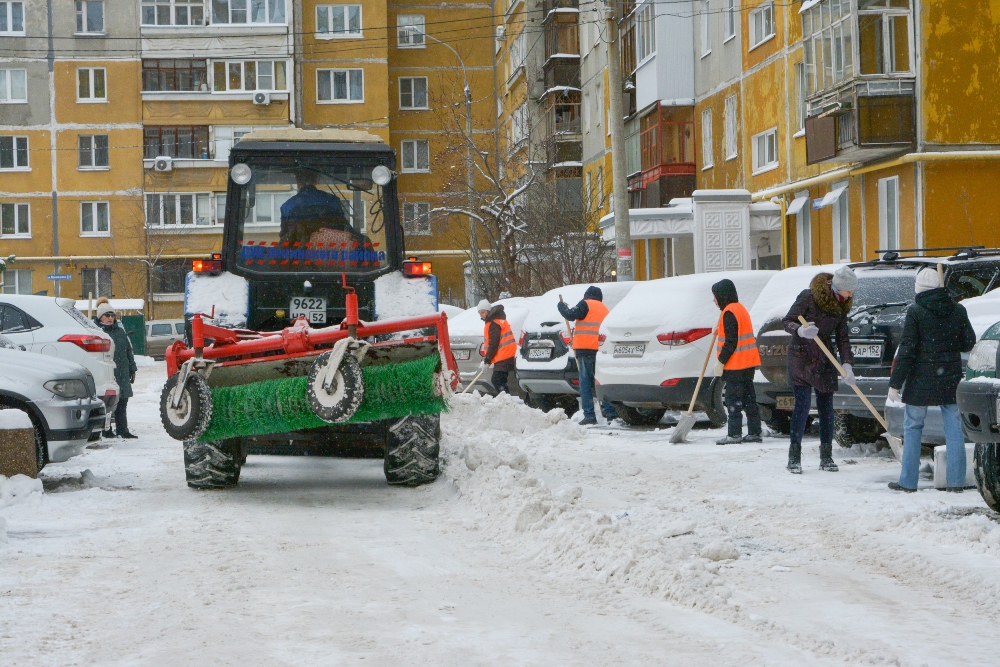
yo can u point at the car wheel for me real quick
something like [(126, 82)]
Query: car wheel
[(639, 416), (849, 430), (987, 466), (41, 444), (716, 413)]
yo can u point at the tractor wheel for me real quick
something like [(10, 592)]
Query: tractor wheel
[(411, 450), (639, 416), (850, 430), (987, 467), (212, 465), (340, 400), (193, 412)]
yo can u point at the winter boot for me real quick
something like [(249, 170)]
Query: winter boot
[(828, 465), (730, 440), (750, 437), (129, 435), (896, 487), (108, 434), (794, 466), (588, 421)]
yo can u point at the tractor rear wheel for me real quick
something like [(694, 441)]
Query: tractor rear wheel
[(411, 451), (212, 465)]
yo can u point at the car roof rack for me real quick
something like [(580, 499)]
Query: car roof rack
[(956, 252)]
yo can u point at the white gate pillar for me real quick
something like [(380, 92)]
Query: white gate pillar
[(721, 230)]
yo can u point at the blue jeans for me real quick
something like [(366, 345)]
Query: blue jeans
[(800, 417), (913, 429), (585, 364)]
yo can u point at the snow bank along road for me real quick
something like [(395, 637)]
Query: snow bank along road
[(543, 543)]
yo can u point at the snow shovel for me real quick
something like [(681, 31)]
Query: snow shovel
[(895, 443), (569, 332), (475, 379), (687, 420)]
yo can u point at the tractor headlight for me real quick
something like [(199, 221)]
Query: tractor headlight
[(240, 173), (67, 388), (380, 174)]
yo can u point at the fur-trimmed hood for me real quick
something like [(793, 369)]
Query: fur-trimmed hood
[(825, 299)]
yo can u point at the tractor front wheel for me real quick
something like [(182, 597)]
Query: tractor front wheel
[(190, 418), (335, 394), (411, 450), (212, 465)]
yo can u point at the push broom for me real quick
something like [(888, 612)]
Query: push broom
[(686, 422)]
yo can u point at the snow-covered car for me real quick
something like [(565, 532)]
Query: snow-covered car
[(978, 398), (59, 396), (468, 344), (546, 365), (654, 343), (54, 327)]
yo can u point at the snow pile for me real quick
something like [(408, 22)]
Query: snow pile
[(141, 361), (984, 311), (227, 293), (14, 419), (19, 489), (396, 297)]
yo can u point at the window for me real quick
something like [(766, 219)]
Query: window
[(803, 230), (248, 11), (588, 192), (173, 12), (706, 138), (249, 75), (94, 219), (338, 20), (410, 30), (178, 209), (11, 18), (519, 124), (89, 16), (706, 34), (828, 44), (185, 142), (600, 187), (416, 156), (340, 85), (266, 211), (90, 84), (888, 213), (13, 152), (884, 40), (731, 125), (13, 86), (841, 225), (413, 92), (800, 102), (93, 150), (730, 19), (220, 208), (168, 278), (761, 24), (96, 282), (416, 218), (765, 151), (15, 220), (17, 281), (175, 75), (646, 31), (517, 53), (225, 137)]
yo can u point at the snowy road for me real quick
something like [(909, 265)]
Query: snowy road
[(542, 544)]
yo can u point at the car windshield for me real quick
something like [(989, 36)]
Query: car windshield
[(884, 288), (308, 217)]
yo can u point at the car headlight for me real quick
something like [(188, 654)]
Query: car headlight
[(67, 388)]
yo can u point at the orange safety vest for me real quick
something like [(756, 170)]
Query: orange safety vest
[(746, 354), (585, 334), (507, 348)]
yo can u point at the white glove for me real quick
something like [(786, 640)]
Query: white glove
[(895, 396), (808, 331), (849, 375), (719, 367)]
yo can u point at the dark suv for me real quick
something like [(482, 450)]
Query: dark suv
[(885, 290)]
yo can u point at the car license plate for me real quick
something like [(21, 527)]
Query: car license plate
[(866, 351), (539, 352), (463, 355), (629, 349), (784, 402), (313, 308)]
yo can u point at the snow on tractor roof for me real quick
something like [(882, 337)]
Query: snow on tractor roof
[(328, 134)]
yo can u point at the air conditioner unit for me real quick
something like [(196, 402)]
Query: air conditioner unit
[(163, 163), (501, 31), (261, 98)]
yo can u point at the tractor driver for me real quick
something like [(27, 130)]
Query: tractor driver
[(310, 210)]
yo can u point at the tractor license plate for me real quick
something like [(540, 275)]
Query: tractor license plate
[(866, 351), (629, 349), (463, 355), (539, 352), (313, 308), (784, 402)]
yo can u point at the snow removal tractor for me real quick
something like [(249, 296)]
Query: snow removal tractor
[(309, 333)]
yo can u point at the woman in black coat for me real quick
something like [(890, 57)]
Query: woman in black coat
[(124, 367), (824, 306), (928, 369)]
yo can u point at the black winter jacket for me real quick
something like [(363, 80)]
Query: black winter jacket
[(124, 359), (807, 365), (725, 293), (493, 343), (929, 360)]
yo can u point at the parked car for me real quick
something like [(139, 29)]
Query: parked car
[(161, 334), (546, 364), (54, 327), (468, 344), (978, 395), (59, 396), (655, 341)]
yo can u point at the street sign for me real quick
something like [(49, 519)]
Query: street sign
[(59, 276)]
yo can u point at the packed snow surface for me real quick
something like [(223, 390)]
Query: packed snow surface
[(543, 543), (11, 419), (397, 297), (227, 293)]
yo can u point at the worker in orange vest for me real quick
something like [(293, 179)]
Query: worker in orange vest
[(500, 344), (738, 360), (588, 314)]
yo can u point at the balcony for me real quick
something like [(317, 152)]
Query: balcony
[(549, 5), (666, 156), (562, 117), (562, 74)]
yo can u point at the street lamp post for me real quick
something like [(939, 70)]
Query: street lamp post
[(469, 164)]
